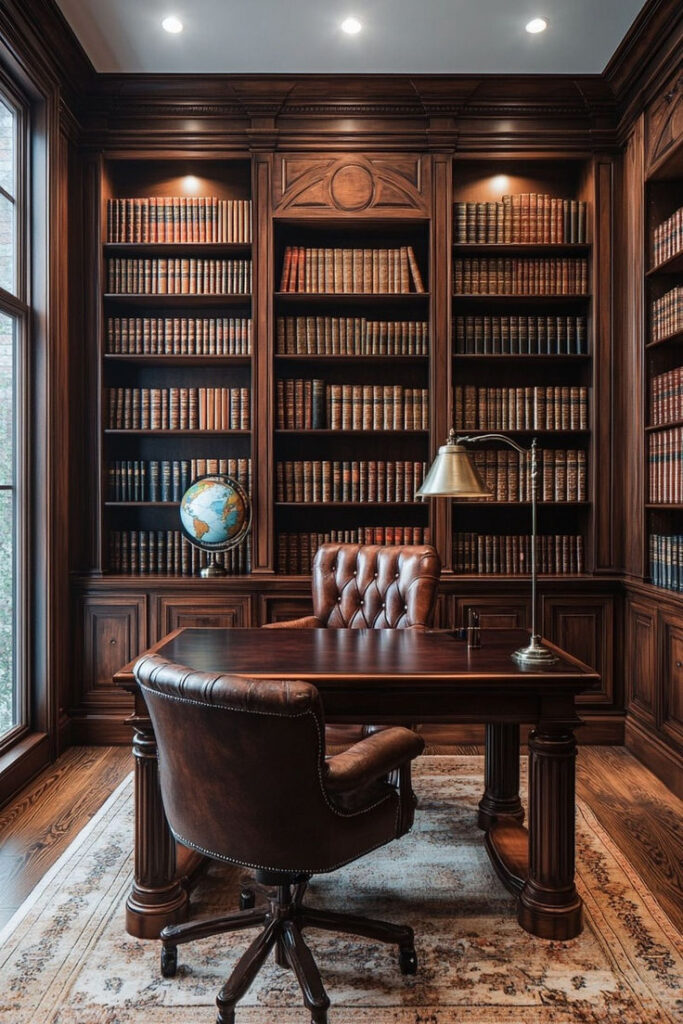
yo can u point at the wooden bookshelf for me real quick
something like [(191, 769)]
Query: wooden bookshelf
[(506, 339), (663, 550), (170, 342)]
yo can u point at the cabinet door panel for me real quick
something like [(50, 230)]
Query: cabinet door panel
[(281, 607), (172, 612), (672, 679), (583, 626), (114, 632), (641, 659), (494, 613)]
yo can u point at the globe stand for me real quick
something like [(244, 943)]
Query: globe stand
[(212, 570)]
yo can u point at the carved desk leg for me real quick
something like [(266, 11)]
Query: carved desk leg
[(549, 905), (501, 796), (157, 897)]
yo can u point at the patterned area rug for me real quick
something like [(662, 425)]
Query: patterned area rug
[(66, 959)]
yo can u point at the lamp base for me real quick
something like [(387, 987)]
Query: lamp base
[(211, 570), (536, 655)]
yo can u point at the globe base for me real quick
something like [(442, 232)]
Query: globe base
[(212, 570)]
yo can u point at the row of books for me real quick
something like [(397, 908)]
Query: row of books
[(179, 335), (665, 459), (178, 276), (315, 405), (525, 408), (666, 397), (179, 219), (528, 217), (167, 480), (325, 480), (510, 555), (668, 238), (353, 336), (178, 409), (667, 314), (367, 271), (168, 553), (666, 561), (296, 551), (520, 276), (561, 474), (521, 335)]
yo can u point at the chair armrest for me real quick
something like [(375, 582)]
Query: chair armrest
[(371, 758), (306, 622)]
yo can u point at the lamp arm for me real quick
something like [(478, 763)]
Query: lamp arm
[(475, 438)]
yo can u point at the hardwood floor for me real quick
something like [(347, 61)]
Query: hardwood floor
[(38, 825), (643, 817)]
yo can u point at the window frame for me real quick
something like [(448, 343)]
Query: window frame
[(17, 307)]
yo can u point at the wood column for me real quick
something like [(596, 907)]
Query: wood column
[(157, 897), (501, 795), (549, 905)]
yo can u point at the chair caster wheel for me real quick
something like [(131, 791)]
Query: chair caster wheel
[(169, 961), (407, 961), (247, 899)]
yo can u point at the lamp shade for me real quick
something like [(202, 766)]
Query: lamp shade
[(452, 475)]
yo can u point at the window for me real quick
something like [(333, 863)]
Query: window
[(13, 342)]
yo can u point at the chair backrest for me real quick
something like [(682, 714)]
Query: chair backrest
[(371, 586), (241, 765)]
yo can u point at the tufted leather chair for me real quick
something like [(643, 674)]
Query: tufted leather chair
[(370, 586), (263, 795)]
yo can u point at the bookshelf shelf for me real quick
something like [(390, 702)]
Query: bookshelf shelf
[(177, 433), (519, 299), (537, 358), (349, 358), (528, 432), (350, 504), (664, 507), (141, 504), (671, 339), (542, 503), (663, 426), (209, 249), (333, 299), (673, 265), (177, 360), (174, 301), (522, 248), (333, 432)]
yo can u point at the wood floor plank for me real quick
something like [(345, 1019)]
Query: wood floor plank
[(643, 817), (38, 825)]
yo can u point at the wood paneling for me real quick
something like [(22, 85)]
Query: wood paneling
[(281, 607), (664, 121), (641, 659), (584, 627), (671, 709), (171, 611), (494, 612)]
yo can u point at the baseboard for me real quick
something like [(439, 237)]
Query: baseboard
[(21, 762), (662, 760), (101, 730)]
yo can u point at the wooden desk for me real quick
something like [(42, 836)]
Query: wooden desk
[(397, 676)]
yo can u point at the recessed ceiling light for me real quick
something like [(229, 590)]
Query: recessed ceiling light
[(172, 24), (536, 25), (351, 26)]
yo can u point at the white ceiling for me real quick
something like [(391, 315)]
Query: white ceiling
[(303, 36)]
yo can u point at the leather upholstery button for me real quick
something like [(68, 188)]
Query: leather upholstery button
[(361, 603), (339, 600)]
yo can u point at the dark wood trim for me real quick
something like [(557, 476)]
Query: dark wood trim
[(19, 764), (661, 758)]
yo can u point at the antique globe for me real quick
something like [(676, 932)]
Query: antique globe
[(215, 515)]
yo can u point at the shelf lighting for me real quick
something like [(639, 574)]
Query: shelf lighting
[(351, 26), (172, 24), (536, 25)]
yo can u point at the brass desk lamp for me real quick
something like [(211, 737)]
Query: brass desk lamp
[(453, 475)]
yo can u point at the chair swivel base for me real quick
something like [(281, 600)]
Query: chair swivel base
[(283, 921)]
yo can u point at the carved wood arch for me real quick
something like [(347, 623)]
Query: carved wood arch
[(352, 185)]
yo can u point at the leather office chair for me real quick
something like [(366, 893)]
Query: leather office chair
[(370, 586), (263, 795)]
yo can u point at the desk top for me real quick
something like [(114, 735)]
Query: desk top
[(354, 657)]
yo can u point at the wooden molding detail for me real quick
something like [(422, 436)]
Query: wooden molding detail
[(659, 757), (641, 660), (584, 626), (664, 120), (356, 185), (670, 712), (171, 611)]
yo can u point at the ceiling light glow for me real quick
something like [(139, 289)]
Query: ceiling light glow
[(351, 26), (172, 24), (536, 25), (499, 182), (191, 183)]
